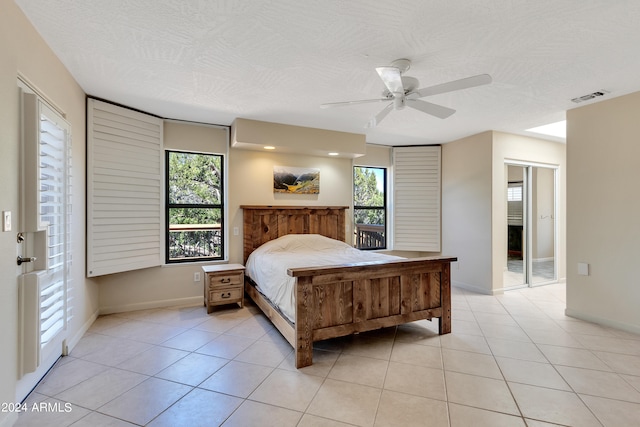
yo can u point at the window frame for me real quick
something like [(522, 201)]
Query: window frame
[(221, 206), (383, 208)]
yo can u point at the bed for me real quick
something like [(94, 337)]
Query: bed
[(336, 300)]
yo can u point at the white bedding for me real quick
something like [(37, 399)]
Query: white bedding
[(267, 265)]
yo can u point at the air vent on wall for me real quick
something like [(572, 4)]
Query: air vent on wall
[(589, 96)]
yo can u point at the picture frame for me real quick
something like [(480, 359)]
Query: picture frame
[(296, 180)]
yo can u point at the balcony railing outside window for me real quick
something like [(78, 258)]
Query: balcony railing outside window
[(193, 241), (369, 236)]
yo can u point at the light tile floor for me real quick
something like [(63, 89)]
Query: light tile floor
[(512, 360)]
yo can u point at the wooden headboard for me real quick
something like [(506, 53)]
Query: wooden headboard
[(264, 223)]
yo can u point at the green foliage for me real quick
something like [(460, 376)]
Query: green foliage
[(195, 179), (367, 194), (201, 216)]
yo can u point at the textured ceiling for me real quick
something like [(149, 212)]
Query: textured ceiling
[(212, 61)]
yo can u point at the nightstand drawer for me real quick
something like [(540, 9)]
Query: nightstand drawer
[(223, 280), (224, 295)]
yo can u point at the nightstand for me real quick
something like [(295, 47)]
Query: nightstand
[(223, 284)]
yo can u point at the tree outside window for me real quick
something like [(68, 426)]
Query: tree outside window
[(194, 207), (369, 207)]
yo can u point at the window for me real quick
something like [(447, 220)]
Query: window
[(514, 192), (194, 207), (369, 207)]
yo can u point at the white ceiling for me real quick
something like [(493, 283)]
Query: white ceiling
[(214, 60)]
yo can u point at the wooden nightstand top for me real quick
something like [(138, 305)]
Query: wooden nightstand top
[(222, 268)]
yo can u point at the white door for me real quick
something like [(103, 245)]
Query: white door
[(44, 235)]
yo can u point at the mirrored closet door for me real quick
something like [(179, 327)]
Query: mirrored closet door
[(531, 255)]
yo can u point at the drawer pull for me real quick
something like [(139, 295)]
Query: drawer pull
[(225, 280), (226, 295)]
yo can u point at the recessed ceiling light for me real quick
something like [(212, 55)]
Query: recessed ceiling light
[(333, 153), (269, 147), (557, 129)]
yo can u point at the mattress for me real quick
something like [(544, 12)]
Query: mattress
[(267, 265)]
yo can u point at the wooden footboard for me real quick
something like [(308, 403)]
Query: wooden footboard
[(341, 300)]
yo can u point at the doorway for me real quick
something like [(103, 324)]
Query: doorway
[(44, 240), (531, 255)]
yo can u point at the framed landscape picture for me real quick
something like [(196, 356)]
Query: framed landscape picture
[(287, 179)]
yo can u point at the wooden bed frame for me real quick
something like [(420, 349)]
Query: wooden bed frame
[(344, 299)]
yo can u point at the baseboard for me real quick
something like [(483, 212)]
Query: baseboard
[(9, 420), (472, 288), (151, 304), (73, 341), (602, 321)]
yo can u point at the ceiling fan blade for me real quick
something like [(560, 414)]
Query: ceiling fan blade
[(392, 79), (479, 80), (345, 103), (429, 108), (375, 120)]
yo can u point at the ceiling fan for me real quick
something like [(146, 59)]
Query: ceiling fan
[(403, 91)]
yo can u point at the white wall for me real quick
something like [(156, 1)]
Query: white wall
[(509, 147), (251, 183), (466, 210), (23, 51), (474, 204), (376, 156), (603, 201)]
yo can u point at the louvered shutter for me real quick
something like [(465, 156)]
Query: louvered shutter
[(514, 203), (47, 214), (416, 202), (125, 189)]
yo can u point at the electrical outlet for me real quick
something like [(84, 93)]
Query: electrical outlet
[(236, 231), (583, 269), (196, 276)]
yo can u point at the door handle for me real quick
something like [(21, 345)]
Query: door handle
[(26, 259)]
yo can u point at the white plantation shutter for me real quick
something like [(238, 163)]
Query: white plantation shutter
[(514, 203), (416, 202), (55, 211), (45, 304), (125, 189)]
